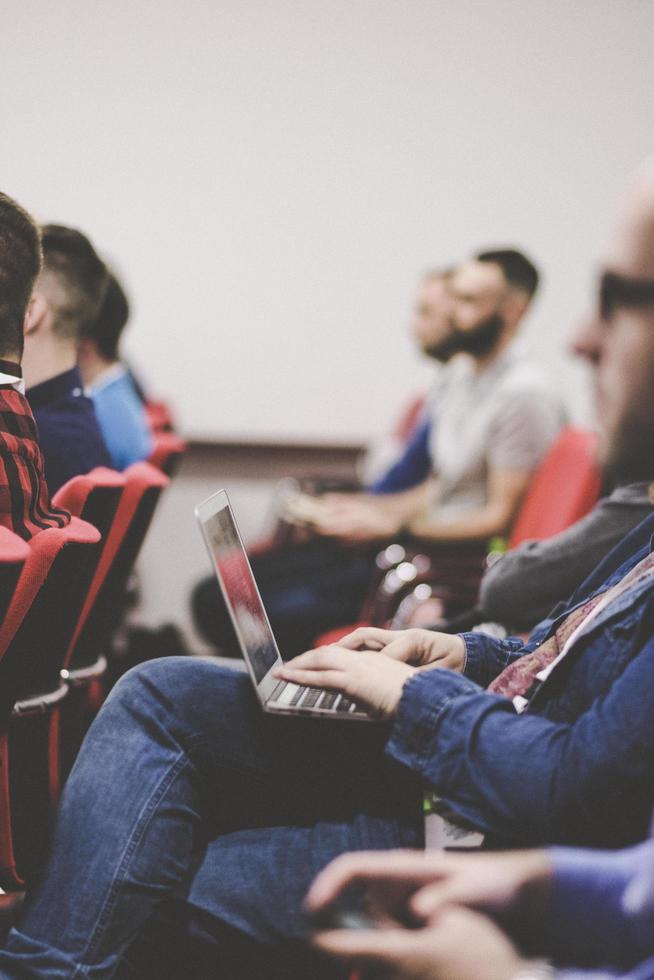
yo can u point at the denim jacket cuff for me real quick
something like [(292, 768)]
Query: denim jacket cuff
[(475, 655), (486, 656), (423, 698)]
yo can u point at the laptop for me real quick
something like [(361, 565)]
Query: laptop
[(258, 646)]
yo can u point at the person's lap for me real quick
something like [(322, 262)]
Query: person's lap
[(186, 790)]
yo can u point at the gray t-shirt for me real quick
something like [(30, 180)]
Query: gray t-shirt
[(525, 584), (505, 417)]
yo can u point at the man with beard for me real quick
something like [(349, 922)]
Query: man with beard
[(496, 418), (186, 797), (493, 417)]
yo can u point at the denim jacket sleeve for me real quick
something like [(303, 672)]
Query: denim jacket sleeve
[(486, 656), (528, 778)]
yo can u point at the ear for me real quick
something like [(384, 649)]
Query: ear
[(36, 313), (515, 306)]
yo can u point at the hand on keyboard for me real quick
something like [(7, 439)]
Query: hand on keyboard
[(370, 679)]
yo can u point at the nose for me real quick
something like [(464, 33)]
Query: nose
[(587, 340)]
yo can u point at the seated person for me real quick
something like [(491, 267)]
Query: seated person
[(187, 795), (590, 912), (429, 326), (108, 382), (67, 295), (496, 419), (24, 499), (523, 586)]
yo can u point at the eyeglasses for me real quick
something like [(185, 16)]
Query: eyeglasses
[(617, 291)]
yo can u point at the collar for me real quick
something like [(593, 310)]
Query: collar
[(11, 373), (111, 374), (65, 385)]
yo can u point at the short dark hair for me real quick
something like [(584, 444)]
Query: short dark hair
[(69, 255), (519, 271), (20, 264), (110, 321)]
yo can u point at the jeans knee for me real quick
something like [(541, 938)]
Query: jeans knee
[(186, 686)]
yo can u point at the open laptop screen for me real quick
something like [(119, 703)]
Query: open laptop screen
[(241, 592)]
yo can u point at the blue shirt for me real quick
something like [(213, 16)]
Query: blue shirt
[(601, 913), (413, 466), (69, 434), (121, 417), (577, 766)]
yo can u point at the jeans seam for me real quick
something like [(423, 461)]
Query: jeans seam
[(135, 837)]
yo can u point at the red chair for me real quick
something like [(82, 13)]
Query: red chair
[(159, 416), (86, 659), (34, 638), (94, 497), (565, 487), (167, 452), (13, 555)]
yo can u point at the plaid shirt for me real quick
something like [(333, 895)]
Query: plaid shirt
[(25, 506)]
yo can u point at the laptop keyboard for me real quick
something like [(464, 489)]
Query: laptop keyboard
[(317, 697)]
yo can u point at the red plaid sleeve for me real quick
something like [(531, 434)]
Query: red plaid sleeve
[(25, 506)]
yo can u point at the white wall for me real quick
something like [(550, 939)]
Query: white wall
[(271, 175)]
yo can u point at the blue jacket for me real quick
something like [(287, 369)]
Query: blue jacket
[(413, 466), (69, 434), (578, 765)]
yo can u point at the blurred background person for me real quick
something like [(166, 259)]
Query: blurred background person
[(109, 383), (493, 416), (67, 297)]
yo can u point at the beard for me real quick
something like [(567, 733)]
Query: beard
[(478, 342), (629, 457)]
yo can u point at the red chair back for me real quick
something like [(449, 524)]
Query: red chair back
[(167, 452), (101, 612), (159, 416), (94, 497), (565, 487), (33, 640), (13, 555)]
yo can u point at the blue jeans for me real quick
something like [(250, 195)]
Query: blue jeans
[(186, 792)]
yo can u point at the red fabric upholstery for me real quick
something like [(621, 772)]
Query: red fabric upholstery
[(564, 489), (13, 555), (13, 549), (33, 640), (124, 527), (159, 417), (167, 452), (78, 494), (44, 550), (98, 618)]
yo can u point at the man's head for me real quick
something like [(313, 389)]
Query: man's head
[(490, 294), (100, 339), (618, 340), (67, 296), (20, 263), (431, 320)]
